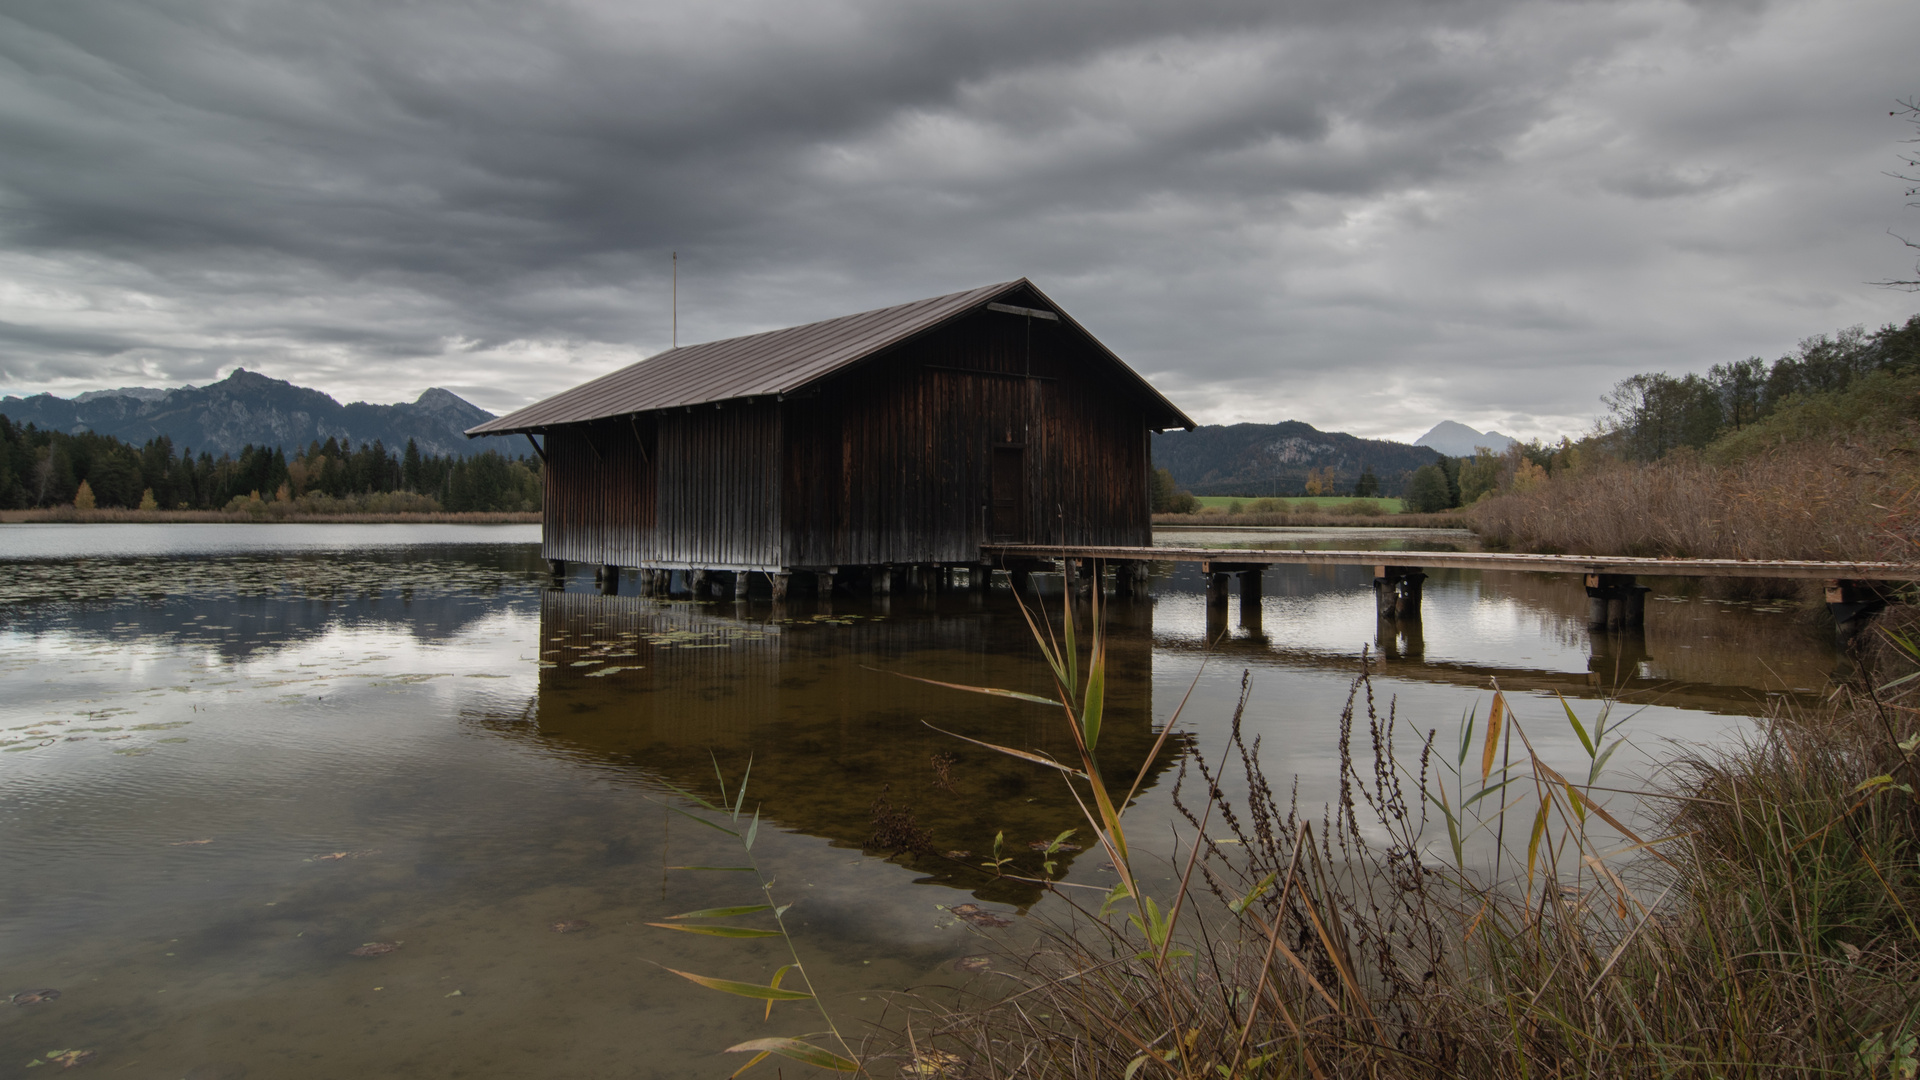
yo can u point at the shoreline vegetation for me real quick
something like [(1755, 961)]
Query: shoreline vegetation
[(1816, 456), (1284, 520), (49, 470), (67, 515), (1761, 924), (1466, 910)]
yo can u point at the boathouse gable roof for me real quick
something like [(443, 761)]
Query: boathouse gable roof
[(784, 361)]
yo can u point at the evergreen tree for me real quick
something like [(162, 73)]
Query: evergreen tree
[(410, 476), (1426, 491)]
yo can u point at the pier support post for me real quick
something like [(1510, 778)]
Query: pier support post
[(609, 579), (1217, 590), (1250, 599), (697, 584), (1853, 604), (729, 585), (880, 580), (1141, 572), (558, 567), (1070, 575), (1615, 602), (1396, 591), (779, 584), (1123, 579), (980, 577)]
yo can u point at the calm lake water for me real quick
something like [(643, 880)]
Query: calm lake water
[(232, 755)]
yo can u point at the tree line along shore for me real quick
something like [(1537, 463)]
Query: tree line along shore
[(1814, 455), (52, 475)]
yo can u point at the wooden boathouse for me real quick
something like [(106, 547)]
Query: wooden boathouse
[(893, 444)]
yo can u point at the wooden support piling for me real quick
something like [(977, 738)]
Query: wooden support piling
[(609, 578), (1853, 605), (1396, 591), (1615, 602), (1250, 599), (880, 580)]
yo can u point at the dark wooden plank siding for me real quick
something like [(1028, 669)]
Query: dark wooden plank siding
[(600, 481), (893, 461), (719, 501)]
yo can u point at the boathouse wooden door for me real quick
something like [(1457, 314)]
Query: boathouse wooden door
[(1009, 511)]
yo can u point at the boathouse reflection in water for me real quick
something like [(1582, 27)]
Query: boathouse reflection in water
[(839, 744)]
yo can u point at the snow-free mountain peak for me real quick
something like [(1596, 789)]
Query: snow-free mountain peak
[(1459, 440)]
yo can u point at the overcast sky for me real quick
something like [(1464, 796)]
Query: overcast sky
[(1368, 216)]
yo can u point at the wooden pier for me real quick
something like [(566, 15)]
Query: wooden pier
[(1855, 591)]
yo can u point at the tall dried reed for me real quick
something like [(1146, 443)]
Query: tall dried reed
[(1831, 500), (1766, 927)]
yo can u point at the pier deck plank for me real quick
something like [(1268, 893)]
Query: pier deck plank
[(1480, 560)]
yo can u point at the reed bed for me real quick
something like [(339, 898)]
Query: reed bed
[(1835, 500), (1465, 910)]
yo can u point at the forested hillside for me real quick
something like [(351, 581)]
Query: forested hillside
[(1282, 459), (40, 468)]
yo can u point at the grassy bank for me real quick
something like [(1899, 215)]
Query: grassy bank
[(69, 515), (1218, 520), (1297, 504)]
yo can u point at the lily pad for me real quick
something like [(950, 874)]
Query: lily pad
[(375, 948)]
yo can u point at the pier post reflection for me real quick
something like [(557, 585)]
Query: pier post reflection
[(1399, 639), (1617, 656)]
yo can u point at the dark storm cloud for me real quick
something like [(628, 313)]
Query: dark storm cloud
[(1366, 215)]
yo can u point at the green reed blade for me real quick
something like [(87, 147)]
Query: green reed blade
[(1578, 728), (723, 912), (717, 931), (995, 691), (703, 821)]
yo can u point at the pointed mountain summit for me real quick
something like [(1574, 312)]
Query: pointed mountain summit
[(1459, 440), (247, 408)]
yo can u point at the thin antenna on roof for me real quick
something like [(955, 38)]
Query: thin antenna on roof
[(676, 299)]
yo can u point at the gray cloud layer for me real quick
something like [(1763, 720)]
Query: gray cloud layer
[(1370, 216)]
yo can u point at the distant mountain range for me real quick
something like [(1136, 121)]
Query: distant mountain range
[(1274, 459), (1459, 440), (248, 408)]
